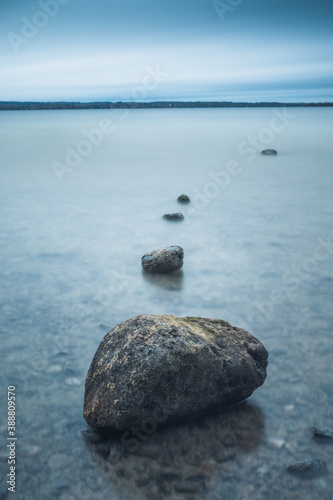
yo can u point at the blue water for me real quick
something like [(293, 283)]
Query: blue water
[(257, 238)]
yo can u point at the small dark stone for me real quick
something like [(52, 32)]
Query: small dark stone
[(322, 432), (175, 216), (269, 152), (183, 198), (309, 467), (163, 260)]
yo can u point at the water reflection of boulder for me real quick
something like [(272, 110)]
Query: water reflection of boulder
[(170, 281), (187, 458)]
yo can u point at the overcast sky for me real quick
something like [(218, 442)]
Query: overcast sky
[(233, 50)]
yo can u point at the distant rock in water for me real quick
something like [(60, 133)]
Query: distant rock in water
[(176, 216), (310, 467), (183, 198), (322, 432), (269, 152), (154, 370), (163, 260)]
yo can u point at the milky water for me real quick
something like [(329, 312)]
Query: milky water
[(258, 253)]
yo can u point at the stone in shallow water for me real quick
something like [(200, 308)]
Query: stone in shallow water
[(269, 152), (153, 370), (176, 216), (163, 260), (309, 467), (183, 198), (322, 432)]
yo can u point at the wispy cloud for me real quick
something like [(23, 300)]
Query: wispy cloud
[(234, 60)]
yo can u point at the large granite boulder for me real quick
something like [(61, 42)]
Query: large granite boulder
[(163, 260), (153, 370)]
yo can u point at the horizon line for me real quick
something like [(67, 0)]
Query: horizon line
[(158, 101)]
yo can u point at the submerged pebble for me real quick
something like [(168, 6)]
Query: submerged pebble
[(73, 381), (60, 461), (309, 467), (54, 369), (277, 442), (322, 432)]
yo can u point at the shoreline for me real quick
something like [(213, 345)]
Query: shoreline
[(34, 106)]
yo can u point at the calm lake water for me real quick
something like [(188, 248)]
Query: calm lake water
[(257, 238)]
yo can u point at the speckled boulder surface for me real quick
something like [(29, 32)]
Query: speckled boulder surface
[(163, 369), (163, 260)]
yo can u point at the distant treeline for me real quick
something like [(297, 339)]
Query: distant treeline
[(15, 106)]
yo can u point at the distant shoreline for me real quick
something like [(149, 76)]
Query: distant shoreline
[(31, 106)]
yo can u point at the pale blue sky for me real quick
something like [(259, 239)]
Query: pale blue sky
[(240, 50)]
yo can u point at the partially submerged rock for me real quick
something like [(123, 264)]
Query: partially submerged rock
[(269, 152), (310, 467), (163, 260), (183, 198), (322, 432), (176, 216), (154, 370)]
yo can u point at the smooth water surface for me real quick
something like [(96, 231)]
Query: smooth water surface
[(258, 249)]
